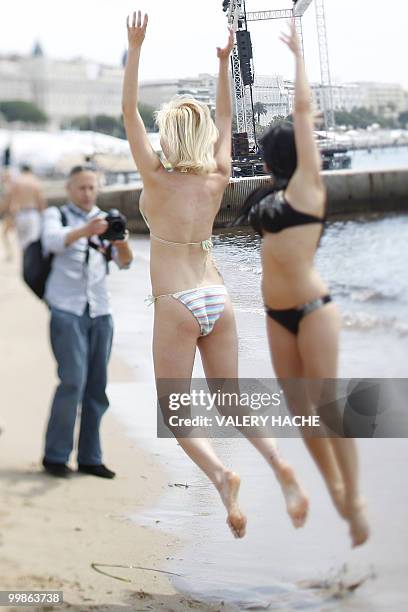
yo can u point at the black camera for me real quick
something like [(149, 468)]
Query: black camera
[(116, 226)]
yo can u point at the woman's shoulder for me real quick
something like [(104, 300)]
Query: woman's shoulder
[(310, 197)]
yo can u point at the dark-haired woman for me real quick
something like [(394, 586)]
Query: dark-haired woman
[(303, 323)]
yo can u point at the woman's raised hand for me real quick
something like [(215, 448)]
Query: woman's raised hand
[(291, 39), (225, 52), (136, 30)]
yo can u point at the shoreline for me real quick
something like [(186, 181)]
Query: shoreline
[(52, 530)]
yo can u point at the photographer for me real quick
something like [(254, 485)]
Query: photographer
[(83, 242)]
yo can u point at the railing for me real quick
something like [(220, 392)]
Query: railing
[(353, 145)]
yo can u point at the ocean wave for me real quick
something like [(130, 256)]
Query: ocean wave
[(362, 293), (251, 269), (372, 295), (364, 321), (249, 310)]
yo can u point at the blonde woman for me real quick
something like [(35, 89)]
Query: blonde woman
[(192, 307)]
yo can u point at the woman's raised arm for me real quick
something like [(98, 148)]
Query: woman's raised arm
[(309, 164), (147, 161), (223, 111)]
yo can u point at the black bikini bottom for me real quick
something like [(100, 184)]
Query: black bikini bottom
[(291, 317)]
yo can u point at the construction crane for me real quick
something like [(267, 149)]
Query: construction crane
[(242, 60)]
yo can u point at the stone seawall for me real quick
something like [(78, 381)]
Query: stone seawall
[(349, 193)]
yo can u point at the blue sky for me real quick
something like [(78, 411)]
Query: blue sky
[(367, 39)]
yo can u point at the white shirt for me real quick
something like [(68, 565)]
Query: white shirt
[(78, 273)]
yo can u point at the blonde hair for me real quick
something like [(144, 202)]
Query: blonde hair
[(189, 133)]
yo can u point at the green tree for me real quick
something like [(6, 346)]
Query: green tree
[(109, 125), (113, 126), (147, 114), (82, 123), (105, 124), (344, 118), (363, 118), (260, 109), (26, 112), (403, 119)]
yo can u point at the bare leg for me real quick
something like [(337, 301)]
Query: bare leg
[(7, 227), (287, 364), (318, 347), (175, 338), (219, 354)]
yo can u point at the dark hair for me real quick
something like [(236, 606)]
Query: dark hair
[(253, 198), (81, 168), (25, 168), (278, 150)]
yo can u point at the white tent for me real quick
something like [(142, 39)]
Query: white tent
[(44, 151)]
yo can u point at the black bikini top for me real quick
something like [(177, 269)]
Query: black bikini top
[(269, 211)]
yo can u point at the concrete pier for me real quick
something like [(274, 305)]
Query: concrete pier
[(349, 193)]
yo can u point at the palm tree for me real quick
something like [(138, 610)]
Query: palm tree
[(260, 109)]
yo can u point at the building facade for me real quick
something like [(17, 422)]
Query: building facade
[(274, 94), (203, 88), (377, 97), (62, 89), (67, 89)]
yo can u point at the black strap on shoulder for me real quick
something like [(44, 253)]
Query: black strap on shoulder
[(64, 219)]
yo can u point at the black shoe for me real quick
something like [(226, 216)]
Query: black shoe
[(96, 470), (60, 470)]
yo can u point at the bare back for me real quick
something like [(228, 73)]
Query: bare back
[(289, 276), (25, 193), (181, 208)]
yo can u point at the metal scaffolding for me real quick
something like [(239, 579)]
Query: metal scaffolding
[(238, 18), (279, 14), (264, 15), (243, 93), (327, 97)]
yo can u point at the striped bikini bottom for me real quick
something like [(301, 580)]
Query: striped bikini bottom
[(206, 304)]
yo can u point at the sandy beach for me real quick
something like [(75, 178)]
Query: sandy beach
[(52, 530)]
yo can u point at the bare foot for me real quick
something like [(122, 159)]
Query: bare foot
[(228, 490), (297, 502), (357, 518)]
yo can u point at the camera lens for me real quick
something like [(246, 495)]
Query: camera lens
[(117, 226)]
